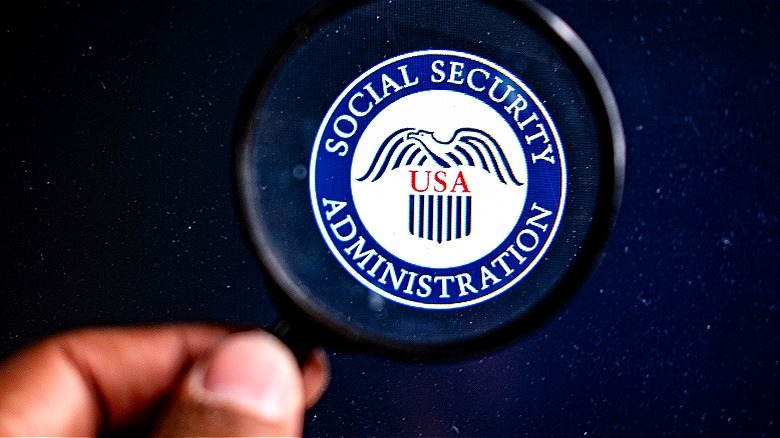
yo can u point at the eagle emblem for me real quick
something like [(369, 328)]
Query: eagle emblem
[(440, 217), (416, 147)]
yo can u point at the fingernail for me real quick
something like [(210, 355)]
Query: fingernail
[(248, 370)]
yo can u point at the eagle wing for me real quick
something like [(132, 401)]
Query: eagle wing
[(474, 147), (396, 151), (469, 147)]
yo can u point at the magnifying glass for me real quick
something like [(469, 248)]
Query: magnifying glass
[(427, 178)]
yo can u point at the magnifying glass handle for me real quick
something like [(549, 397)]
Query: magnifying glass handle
[(295, 338)]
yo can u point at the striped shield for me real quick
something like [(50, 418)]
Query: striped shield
[(440, 218)]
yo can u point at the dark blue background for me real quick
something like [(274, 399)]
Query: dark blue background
[(116, 127)]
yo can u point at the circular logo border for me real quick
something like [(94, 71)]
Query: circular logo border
[(538, 253)]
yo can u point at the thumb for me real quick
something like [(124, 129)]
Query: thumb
[(249, 385)]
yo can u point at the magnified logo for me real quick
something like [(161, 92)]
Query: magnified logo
[(438, 179)]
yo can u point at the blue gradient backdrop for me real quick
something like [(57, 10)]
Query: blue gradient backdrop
[(116, 127)]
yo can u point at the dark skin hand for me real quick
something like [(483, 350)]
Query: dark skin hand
[(187, 379)]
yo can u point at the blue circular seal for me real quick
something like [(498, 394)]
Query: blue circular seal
[(438, 179)]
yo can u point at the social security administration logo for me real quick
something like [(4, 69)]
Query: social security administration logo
[(438, 179)]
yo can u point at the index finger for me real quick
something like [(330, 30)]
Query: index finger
[(95, 380)]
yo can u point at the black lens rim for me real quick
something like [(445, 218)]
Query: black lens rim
[(297, 302)]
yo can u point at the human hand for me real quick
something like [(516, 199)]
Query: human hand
[(187, 379)]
